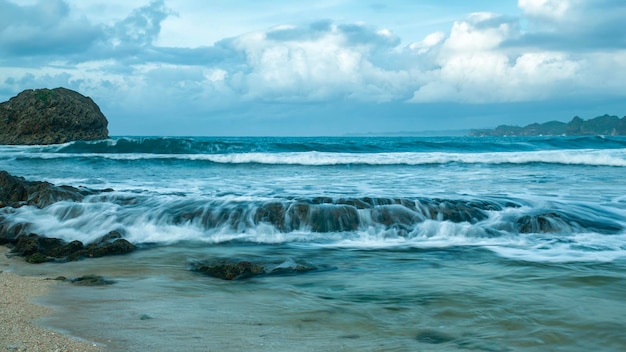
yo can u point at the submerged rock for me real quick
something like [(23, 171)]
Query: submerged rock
[(233, 269), (51, 116), (561, 221), (541, 223), (433, 337), (85, 280), (91, 280), (323, 217), (229, 270), (472, 211)]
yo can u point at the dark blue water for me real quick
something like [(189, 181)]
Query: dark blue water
[(464, 243)]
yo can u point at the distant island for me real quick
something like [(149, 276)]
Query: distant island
[(605, 125)]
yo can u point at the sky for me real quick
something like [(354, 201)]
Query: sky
[(326, 67)]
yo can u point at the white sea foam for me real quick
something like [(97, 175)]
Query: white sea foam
[(581, 247), (609, 157), (578, 157), (555, 248), (152, 222)]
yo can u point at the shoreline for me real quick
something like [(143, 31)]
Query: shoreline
[(19, 330)]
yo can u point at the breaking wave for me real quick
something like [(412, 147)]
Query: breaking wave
[(594, 151), (615, 158), (227, 145)]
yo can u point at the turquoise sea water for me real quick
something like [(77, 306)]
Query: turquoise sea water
[(434, 244)]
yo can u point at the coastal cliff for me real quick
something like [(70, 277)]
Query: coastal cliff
[(50, 116), (602, 125)]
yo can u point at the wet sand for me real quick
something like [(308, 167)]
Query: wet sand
[(18, 315)]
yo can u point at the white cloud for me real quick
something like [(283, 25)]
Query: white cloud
[(575, 24), (313, 65), (471, 35), (547, 9), (482, 59), (428, 42), (480, 63)]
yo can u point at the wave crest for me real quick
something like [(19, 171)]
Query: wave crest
[(614, 158)]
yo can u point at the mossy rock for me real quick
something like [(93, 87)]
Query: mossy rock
[(38, 258)]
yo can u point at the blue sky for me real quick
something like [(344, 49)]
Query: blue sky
[(328, 67)]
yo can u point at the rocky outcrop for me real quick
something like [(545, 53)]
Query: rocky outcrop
[(50, 116), (16, 191), (325, 214), (39, 249), (335, 215)]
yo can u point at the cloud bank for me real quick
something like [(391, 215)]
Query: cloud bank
[(552, 50)]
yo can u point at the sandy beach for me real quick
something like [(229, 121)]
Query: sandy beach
[(18, 315)]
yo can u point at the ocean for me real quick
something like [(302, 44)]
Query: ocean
[(419, 243)]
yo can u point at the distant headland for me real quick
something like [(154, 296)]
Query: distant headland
[(605, 125)]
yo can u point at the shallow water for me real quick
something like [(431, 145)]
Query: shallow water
[(412, 299), (437, 244)]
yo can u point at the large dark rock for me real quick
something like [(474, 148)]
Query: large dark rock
[(17, 191), (51, 116)]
